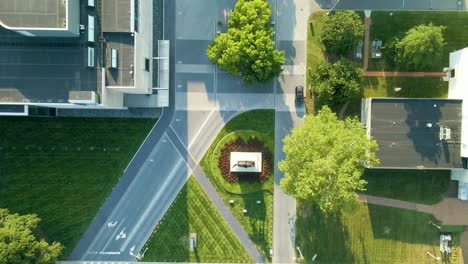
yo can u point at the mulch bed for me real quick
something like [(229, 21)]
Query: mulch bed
[(239, 145)]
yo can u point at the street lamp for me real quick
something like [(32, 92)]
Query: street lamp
[(301, 257), (337, 1)]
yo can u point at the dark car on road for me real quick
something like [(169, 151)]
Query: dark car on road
[(299, 94)]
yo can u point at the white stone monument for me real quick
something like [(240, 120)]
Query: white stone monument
[(246, 162)]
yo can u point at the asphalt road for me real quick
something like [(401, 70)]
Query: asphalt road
[(177, 142)]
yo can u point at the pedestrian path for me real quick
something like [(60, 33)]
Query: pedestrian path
[(450, 211)]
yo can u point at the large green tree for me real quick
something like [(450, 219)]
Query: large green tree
[(247, 48), (335, 83), (341, 32), (421, 47), (19, 243), (325, 159)]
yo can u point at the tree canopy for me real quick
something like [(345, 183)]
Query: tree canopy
[(341, 32), (19, 241), (421, 46), (325, 159), (247, 48), (335, 83)]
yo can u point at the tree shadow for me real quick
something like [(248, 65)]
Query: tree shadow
[(403, 225), (321, 234)]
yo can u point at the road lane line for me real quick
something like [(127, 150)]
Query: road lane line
[(104, 248), (201, 128), (152, 204)]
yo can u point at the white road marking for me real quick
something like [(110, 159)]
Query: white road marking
[(112, 224), (200, 130), (113, 234), (109, 253), (155, 199), (122, 234)]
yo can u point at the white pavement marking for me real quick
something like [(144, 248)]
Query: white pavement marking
[(121, 235), (200, 129), (109, 253), (188, 152), (112, 224), (113, 234), (153, 202)]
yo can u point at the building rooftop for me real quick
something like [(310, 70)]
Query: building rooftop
[(408, 132), (42, 70), (458, 89), (116, 16), (34, 13), (123, 74)]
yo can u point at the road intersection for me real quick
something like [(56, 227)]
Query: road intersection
[(203, 99)]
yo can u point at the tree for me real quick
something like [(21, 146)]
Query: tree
[(325, 159), (341, 32), (335, 83), (421, 47), (247, 48), (19, 242)]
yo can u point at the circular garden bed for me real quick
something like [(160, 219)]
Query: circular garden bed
[(238, 145)]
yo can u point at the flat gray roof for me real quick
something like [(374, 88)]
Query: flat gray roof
[(116, 15), (34, 13), (401, 128), (43, 70)]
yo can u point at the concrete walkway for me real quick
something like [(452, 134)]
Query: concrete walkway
[(450, 211)]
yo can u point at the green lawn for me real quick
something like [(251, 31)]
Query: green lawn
[(258, 221), (373, 234), (193, 212), (417, 87), (385, 26), (62, 169), (420, 186), (315, 53)]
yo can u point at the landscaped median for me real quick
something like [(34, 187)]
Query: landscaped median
[(253, 193)]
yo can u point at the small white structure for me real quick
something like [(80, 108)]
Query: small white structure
[(193, 241), (246, 162), (444, 247), (458, 89)]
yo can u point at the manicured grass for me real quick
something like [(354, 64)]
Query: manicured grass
[(423, 87), (373, 234), (62, 169), (193, 212), (315, 53), (385, 26), (419, 186), (258, 221)]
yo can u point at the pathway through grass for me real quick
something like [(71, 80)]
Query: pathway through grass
[(258, 222), (193, 212)]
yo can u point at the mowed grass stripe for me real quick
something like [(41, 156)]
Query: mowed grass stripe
[(193, 212)]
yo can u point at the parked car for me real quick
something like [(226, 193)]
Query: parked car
[(299, 94)]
